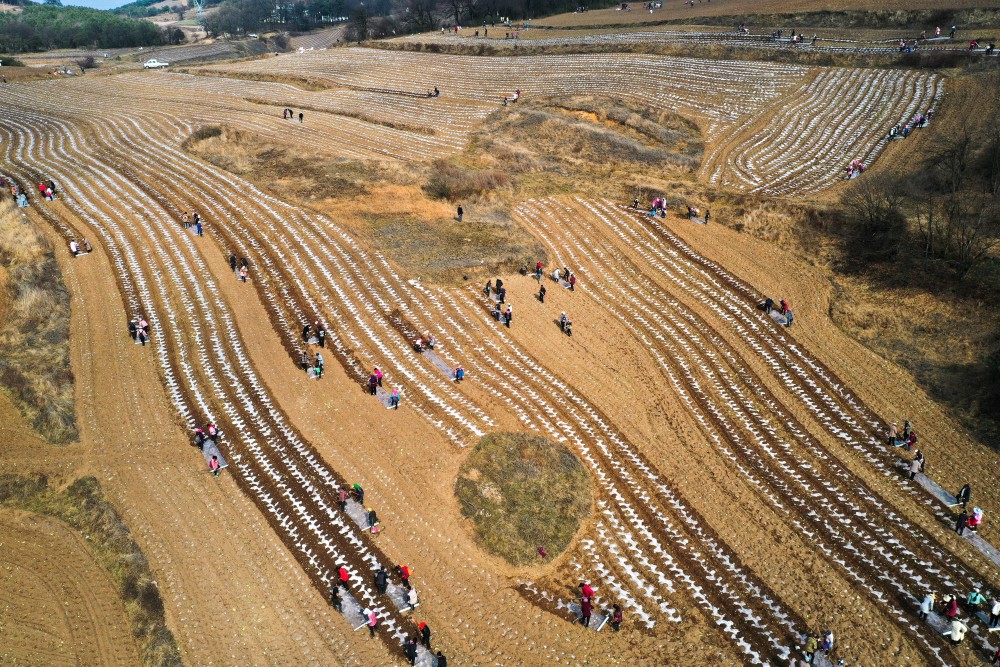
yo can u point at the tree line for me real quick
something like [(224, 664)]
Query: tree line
[(934, 225), (44, 27)]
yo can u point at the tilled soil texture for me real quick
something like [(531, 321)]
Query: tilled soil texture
[(743, 491), (57, 604)]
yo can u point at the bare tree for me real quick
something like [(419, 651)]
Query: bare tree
[(960, 217), (874, 207), (358, 29), (420, 14)]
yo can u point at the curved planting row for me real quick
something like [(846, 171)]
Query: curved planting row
[(205, 367), (848, 521)]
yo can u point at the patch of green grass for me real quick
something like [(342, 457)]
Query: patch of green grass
[(522, 491), (83, 506)]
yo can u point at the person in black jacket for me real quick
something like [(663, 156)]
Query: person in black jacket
[(965, 495), (381, 580), (411, 650)]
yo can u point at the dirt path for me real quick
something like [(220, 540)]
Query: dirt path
[(57, 604)]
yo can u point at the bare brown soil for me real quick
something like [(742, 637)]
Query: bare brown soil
[(57, 605)]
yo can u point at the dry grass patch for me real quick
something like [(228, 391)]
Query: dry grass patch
[(34, 334), (521, 492), (84, 507)]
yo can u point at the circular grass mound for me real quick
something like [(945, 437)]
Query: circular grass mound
[(523, 492)]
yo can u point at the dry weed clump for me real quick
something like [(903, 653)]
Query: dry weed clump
[(452, 182), (521, 492), (84, 507), (34, 331)]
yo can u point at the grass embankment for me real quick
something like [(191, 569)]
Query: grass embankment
[(923, 59), (302, 82), (34, 329), (84, 507), (523, 492)]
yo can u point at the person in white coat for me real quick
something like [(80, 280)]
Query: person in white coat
[(957, 632), (927, 606), (411, 598), (995, 613)]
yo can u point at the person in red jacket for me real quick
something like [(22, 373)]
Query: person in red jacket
[(586, 592), (585, 611), (344, 575), (951, 611)]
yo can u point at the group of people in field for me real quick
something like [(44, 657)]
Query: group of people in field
[(288, 114), (917, 464), (513, 98), (81, 247), (381, 578), (815, 644), (189, 220), (240, 267), (950, 607), (782, 308), (902, 131), (47, 189), (615, 617), (855, 168), (658, 208)]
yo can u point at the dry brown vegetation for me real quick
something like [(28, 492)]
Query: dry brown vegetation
[(83, 506), (34, 334), (523, 492), (545, 146), (303, 82)]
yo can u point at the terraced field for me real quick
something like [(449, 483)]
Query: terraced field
[(750, 500), (772, 128)]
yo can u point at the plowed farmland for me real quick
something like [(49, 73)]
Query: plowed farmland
[(743, 491)]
